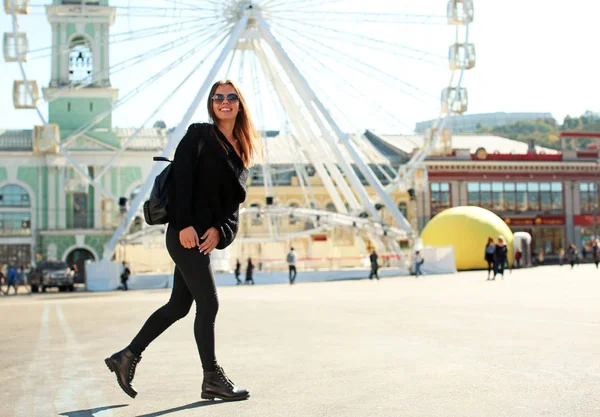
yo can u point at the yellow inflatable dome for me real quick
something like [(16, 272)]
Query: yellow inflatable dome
[(467, 229)]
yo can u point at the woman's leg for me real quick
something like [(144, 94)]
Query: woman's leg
[(177, 308), (197, 273)]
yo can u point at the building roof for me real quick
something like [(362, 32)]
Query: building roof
[(148, 139), (16, 140), (283, 149), (492, 144)]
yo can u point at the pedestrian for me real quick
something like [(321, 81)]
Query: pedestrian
[(418, 262), (291, 261), (13, 279), (237, 272), (23, 278), (518, 258), (249, 272), (500, 257), (207, 184), (573, 255), (490, 249), (2, 278), (125, 273), (373, 257), (596, 252)]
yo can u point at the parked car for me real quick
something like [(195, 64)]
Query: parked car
[(48, 274)]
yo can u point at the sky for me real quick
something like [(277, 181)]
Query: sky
[(532, 56)]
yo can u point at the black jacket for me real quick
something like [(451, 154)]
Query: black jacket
[(207, 187), (500, 253)]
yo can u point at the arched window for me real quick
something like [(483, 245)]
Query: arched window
[(80, 60), (14, 196), (16, 222), (330, 207), (403, 209)]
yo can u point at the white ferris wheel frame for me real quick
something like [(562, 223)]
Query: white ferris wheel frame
[(317, 110)]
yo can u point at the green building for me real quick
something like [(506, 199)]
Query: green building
[(47, 209)]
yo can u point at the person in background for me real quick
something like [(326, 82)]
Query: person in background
[(518, 258), (596, 252), (291, 260), (573, 255), (125, 273), (238, 271), (500, 257), (374, 265), (541, 257), (418, 262), (490, 249), (249, 272), (13, 279)]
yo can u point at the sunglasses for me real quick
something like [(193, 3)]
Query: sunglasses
[(231, 98)]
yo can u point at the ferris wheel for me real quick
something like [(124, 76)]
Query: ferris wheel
[(320, 72)]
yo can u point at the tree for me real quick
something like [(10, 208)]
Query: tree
[(159, 124)]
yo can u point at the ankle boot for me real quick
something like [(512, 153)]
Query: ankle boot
[(123, 364), (217, 385)]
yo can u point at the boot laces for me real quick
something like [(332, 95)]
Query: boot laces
[(224, 377), (134, 363)]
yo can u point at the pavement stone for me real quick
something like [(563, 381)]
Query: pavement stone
[(443, 345)]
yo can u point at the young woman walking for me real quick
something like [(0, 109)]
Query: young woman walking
[(207, 185)]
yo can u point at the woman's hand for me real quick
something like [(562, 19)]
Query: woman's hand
[(210, 240), (189, 238)]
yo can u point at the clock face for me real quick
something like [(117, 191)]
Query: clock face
[(481, 153)]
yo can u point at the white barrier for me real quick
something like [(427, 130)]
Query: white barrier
[(438, 260), (103, 275)]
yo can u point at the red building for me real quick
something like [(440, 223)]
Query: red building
[(550, 194)]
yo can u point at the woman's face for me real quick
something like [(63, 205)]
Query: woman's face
[(225, 102)]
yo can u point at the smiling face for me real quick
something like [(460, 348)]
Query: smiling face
[(226, 110)]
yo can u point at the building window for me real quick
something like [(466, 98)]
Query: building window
[(14, 196), (330, 207), (516, 197), (588, 194), (550, 240), (440, 197), (15, 224), (403, 209), (15, 255), (80, 60)]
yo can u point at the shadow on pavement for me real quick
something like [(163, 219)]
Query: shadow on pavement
[(90, 412), (197, 404)]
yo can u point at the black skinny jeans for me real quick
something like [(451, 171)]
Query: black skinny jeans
[(193, 281)]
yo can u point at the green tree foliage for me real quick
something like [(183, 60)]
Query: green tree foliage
[(546, 132)]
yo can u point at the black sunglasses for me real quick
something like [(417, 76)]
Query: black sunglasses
[(231, 98)]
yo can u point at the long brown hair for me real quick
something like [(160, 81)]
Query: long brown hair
[(251, 146)]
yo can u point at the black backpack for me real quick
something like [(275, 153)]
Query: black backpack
[(155, 208)]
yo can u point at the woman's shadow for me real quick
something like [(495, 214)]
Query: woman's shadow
[(91, 411)]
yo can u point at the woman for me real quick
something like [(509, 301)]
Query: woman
[(490, 249), (207, 185), (500, 256), (249, 272)]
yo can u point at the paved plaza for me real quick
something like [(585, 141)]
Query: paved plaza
[(446, 345)]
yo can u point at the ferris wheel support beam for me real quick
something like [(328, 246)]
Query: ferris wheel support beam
[(332, 171), (332, 168), (291, 109), (309, 97), (175, 138)]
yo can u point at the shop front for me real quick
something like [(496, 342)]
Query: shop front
[(547, 234)]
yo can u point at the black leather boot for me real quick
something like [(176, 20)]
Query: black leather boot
[(217, 385), (123, 364)]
